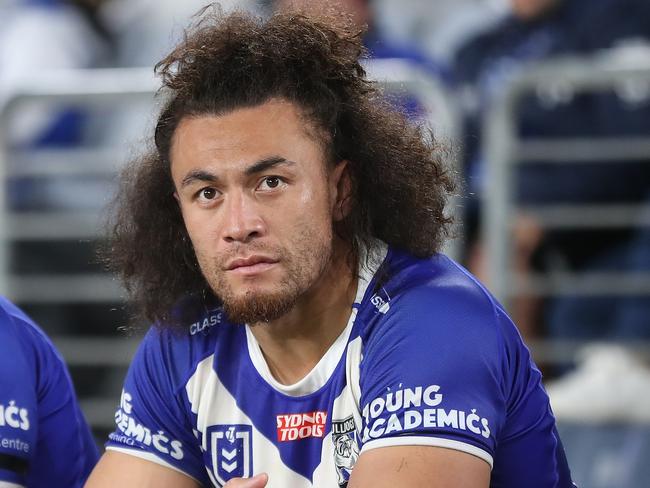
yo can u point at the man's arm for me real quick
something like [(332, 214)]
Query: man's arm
[(425, 466), (126, 471), (118, 469)]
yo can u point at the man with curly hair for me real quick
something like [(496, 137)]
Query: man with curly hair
[(282, 235)]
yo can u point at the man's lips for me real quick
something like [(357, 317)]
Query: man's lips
[(251, 265)]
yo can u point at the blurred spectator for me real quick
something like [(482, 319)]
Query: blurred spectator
[(40, 35), (144, 32), (142, 27), (366, 14), (438, 27), (538, 30)]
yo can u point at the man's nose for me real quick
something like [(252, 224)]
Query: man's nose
[(243, 221)]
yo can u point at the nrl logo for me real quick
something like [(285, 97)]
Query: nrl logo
[(346, 449), (231, 447)]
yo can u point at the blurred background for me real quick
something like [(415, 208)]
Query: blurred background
[(545, 103)]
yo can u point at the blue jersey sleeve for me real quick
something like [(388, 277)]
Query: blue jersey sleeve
[(43, 435), (529, 450), (446, 367), (431, 375), (153, 416), (18, 407)]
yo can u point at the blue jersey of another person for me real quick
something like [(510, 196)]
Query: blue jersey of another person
[(44, 438), (427, 358)]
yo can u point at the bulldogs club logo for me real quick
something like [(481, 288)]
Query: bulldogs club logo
[(346, 449), (232, 451)]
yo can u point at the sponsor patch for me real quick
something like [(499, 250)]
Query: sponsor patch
[(294, 426), (346, 448), (207, 323), (409, 409), (14, 416), (134, 433)]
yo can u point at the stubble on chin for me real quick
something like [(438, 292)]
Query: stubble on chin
[(252, 307)]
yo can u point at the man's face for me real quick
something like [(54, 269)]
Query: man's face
[(258, 201)]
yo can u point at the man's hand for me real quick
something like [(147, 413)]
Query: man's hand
[(257, 481)]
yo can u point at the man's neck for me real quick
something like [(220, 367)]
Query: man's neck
[(293, 344)]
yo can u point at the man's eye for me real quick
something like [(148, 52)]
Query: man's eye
[(271, 183), (208, 193)]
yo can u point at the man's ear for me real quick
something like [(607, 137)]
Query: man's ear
[(342, 190)]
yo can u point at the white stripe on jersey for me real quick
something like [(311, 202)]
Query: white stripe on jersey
[(214, 405)]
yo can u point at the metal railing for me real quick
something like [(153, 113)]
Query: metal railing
[(90, 88), (505, 150)]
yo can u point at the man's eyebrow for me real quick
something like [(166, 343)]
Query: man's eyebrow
[(267, 163), (198, 175), (258, 167)]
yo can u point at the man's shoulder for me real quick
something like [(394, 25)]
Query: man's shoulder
[(19, 334), (12, 318), (176, 350), (431, 297), (192, 321), (433, 282)]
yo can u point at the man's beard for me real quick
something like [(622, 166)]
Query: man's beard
[(303, 268), (255, 307)]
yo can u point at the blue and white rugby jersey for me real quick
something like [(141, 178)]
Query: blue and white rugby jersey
[(44, 439), (427, 358)]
